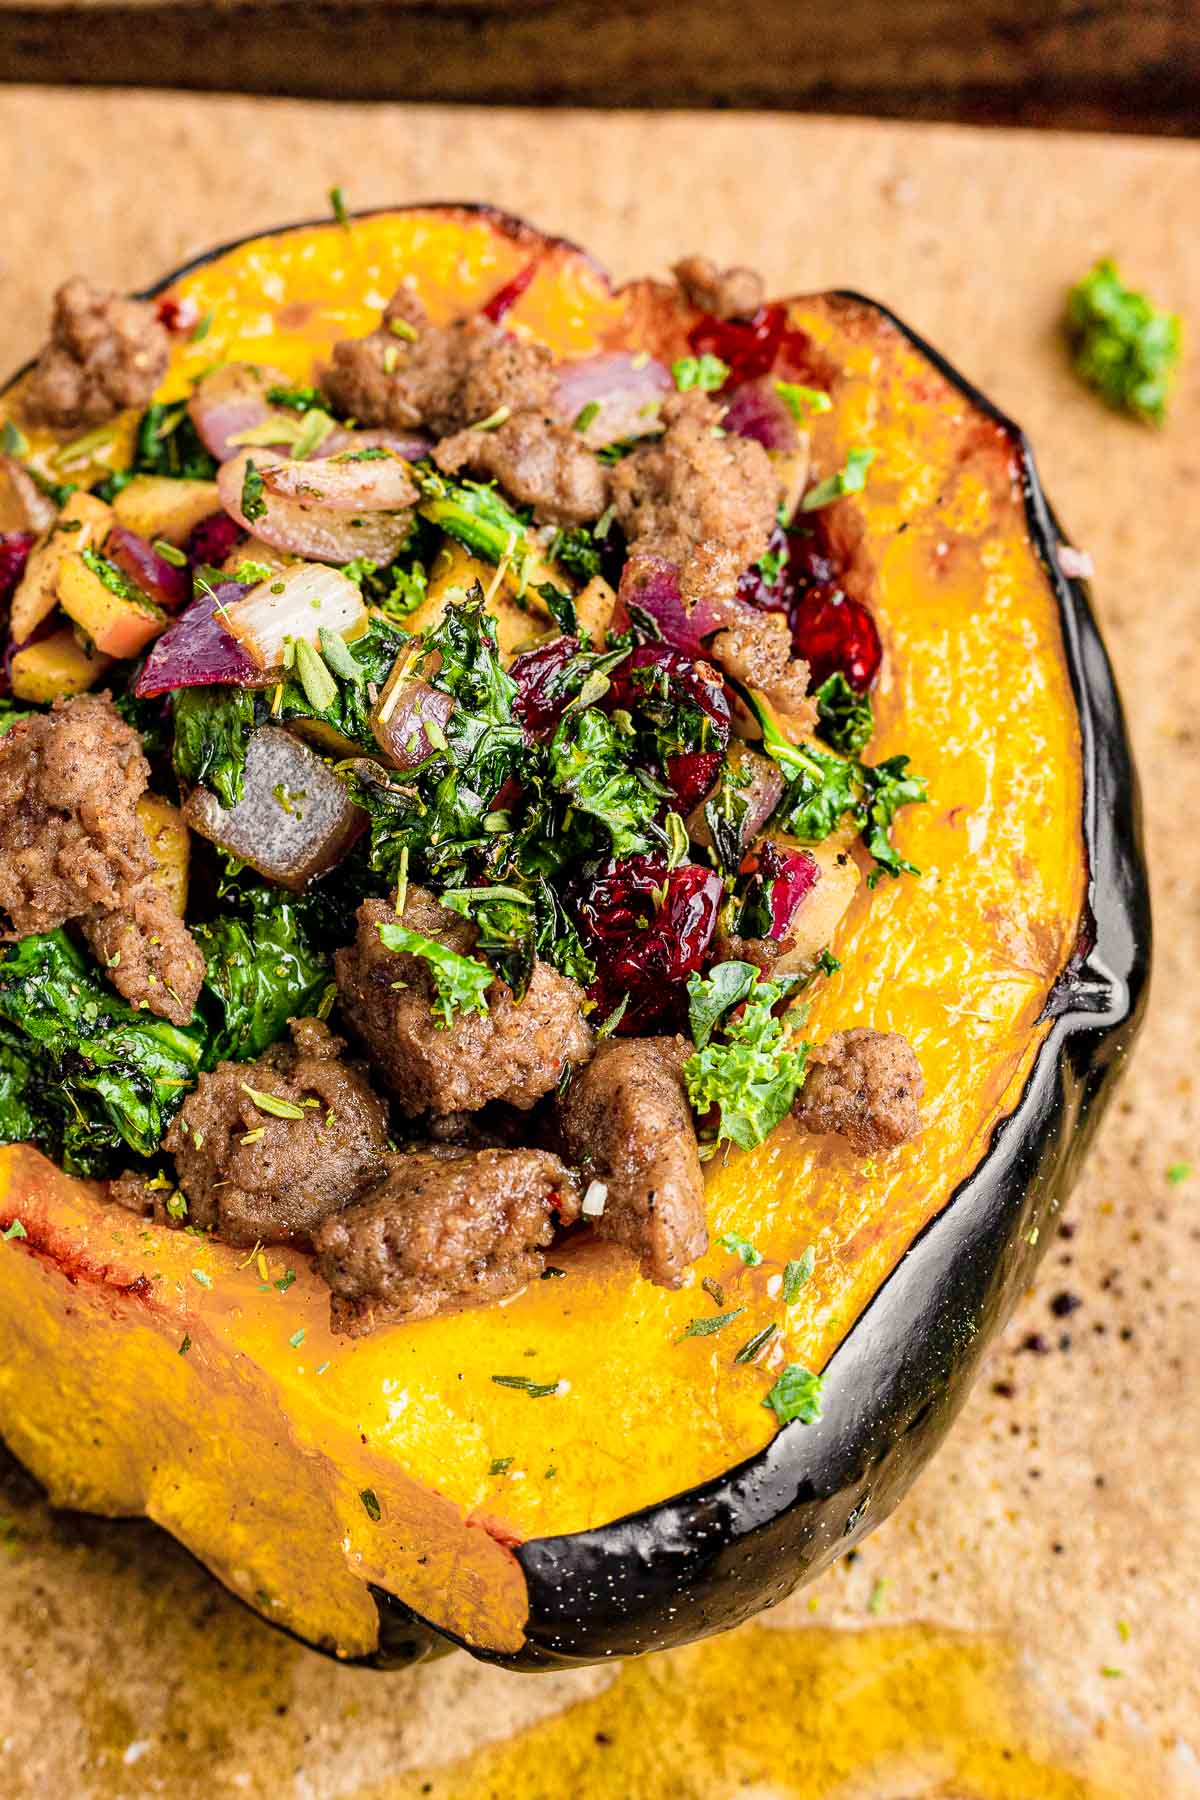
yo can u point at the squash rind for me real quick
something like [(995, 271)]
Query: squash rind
[(721, 1550)]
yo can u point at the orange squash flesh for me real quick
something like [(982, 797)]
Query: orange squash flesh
[(256, 1447)]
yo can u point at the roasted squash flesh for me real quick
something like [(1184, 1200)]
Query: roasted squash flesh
[(269, 1447)]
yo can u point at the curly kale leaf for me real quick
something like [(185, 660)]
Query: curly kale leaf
[(460, 982), (114, 1076), (824, 789), (263, 970), (213, 728), (748, 1064), (475, 513), (590, 763), (845, 720), (1122, 347)]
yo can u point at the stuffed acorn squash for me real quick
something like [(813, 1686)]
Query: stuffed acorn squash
[(572, 892)]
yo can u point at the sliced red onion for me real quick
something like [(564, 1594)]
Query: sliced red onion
[(626, 390), (167, 585), (231, 400), (197, 649), (298, 602), (651, 584), (343, 484), (1076, 565), (756, 411), (792, 877), (301, 517), (506, 297), (411, 445)]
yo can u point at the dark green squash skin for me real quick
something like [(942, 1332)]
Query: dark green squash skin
[(715, 1555)]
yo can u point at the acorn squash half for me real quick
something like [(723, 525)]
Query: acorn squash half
[(379, 1497)]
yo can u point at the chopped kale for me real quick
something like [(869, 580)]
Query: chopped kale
[(460, 982), (262, 971), (753, 1069), (591, 763), (213, 727), (845, 720), (475, 513), (1121, 346), (796, 1395), (109, 1077)]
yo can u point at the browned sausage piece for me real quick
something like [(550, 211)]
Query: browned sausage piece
[(725, 293), (757, 650), (866, 1086), (105, 353), (149, 954), (702, 501), (253, 1176), (409, 373), (626, 1122), (446, 1228), (71, 842), (516, 1052), (537, 460)]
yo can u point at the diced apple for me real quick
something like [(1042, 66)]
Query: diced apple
[(55, 665), (164, 506), (170, 842), (117, 623), (83, 523)]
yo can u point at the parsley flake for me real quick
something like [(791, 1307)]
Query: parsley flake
[(15, 1230), (1121, 346), (706, 372), (851, 479), (796, 1395)]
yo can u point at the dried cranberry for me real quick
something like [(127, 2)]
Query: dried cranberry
[(506, 297), (752, 347), (789, 877), (692, 775), (213, 539), (543, 692), (836, 634), (648, 930), (178, 315), (14, 553)]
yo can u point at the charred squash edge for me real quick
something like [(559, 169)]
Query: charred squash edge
[(716, 1554)]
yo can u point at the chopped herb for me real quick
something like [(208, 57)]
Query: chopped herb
[(461, 983), (851, 479), (200, 1276), (797, 1274), (186, 1345), (587, 415), (177, 1206), (402, 329), (1178, 1172), (875, 1603), (740, 1246), (537, 1390), (253, 504), (706, 372), (15, 1230), (371, 1505), (707, 1326), (297, 1338), (796, 1395), (802, 402), (828, 963), (752, 1346), (1121, 346), (117, 582), (285, 1281), (271, 1103), (844, 719), (500, 1463), (13, 441), (320, 689), (296, 399), (337, 205), (714, 1290), (170, 553), (201, 328), (1123, 1630), (1111, 1674)]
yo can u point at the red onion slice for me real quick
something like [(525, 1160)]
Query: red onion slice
[(197, 650), (167, 584), (627, 391), (314, 526), (651, 584), (411, 445), (232, 399), (756, 411)]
